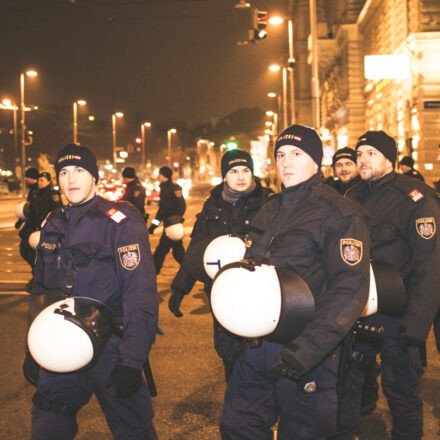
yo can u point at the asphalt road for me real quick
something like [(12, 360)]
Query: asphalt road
[(188, 373)]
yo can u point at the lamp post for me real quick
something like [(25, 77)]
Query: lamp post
[(148, 125), (75, 119), (114, 116), (170, 132), (7, 105), (276, 68), (290, 63), (315, 78), (31, 73)]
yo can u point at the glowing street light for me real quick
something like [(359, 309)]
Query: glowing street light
[(32, 74), (143, 126), (276, 68), (75, 118), (170, 132), (114, 116)]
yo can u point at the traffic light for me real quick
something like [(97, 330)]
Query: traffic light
[(231, 145), (260, 25)]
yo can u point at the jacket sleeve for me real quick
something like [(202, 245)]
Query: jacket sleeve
[(137, 280), (346, 260), (424, 278)]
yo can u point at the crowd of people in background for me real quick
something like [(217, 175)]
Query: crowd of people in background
[(324, 230)]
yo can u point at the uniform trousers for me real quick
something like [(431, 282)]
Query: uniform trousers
[(164, 246), (401, 372), (128, 419), (254, 400)]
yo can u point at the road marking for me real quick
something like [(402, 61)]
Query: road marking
[(13, 282), (15, 292)]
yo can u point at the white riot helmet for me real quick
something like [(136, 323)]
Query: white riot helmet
[(387, 294), (174, 229), (22, 210), (71, 334), (255, 300), (34, 239), (222, 251)]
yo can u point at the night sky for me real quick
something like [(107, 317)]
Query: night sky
[(155, 60)]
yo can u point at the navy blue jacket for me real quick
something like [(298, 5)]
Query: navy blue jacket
[(324, 237), (108, 247), (221, 218)]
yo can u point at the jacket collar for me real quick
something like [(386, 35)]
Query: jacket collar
[(74, 213), (300, 191), (372, 187)]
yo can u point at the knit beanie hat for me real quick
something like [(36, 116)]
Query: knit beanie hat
[(344, 153), (235, 158), (79, 156), (166, 172), (31, 173), (408, 161), (303, 137), (129, 173), (382, 142)]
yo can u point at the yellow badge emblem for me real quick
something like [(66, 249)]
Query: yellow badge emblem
[(351, 251), (129, 256), (426, 227)]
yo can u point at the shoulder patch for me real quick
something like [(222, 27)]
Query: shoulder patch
[(351, 251), (129, 256), (426, 227), (416, 195), (178, 193), (115, 215)]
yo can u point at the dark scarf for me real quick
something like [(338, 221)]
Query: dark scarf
[(232, 196)]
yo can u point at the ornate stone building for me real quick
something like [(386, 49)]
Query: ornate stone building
[(407, 108)]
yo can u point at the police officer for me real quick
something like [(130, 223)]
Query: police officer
[(31, 178), (228, 210), (345, 169), (172, 206), (42, 201), (406, 166), (404, 222), (312, 229), (134, 191), (98, 249)]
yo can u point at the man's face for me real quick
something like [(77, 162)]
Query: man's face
[(239, 178), (77, 184), (43, 182), (294, 165), (404, 168), (161, 178), (346, 170), (372, 164), (126, 180)]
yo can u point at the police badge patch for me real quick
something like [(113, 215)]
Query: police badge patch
[(129, 256), (351, 251), (426, 227)]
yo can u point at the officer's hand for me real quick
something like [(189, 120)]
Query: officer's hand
[(287, 366), (126, 380), (406, 341), (31, 369), (175, 301), (151, 229), (18, 223)]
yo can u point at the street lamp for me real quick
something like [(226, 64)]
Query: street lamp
[(290, 63), (170, 132), (114, 116), (31, 73), (7, 105), (148, 125), (276, 68), (75, 118)]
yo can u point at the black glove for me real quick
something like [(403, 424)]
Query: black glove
[(175, 300), (31, 369), (127, 381), (18, 223), (151, 229), (286, 365), (406, 341)]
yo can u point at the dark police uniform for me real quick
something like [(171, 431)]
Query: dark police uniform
[(341, 187), (42, 201), (217, 218), (414, 174), (135, 194), (311, 229), (171, 204), (106, 245), (404, 221)]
